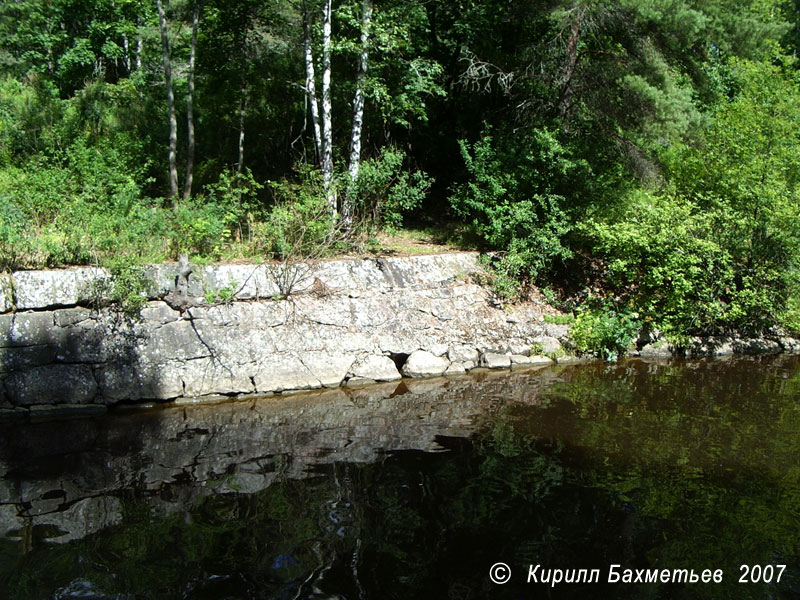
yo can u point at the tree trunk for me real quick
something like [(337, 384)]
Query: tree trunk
[(242, 112), (358, 112), (311, 86), (244, 97), (187, 188), (327, 127), (173, 123), (127, 57), (565, 96)]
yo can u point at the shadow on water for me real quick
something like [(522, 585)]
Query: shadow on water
[(414, 490)]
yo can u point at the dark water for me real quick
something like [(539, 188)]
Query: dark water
[(415, 490)]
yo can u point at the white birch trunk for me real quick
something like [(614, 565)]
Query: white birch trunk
[(173, 123), (127, 58), (327, 127), (242, 113), (311, 86), (187, 188), (358, 112)]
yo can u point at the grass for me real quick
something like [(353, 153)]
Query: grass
[(421, 240), (559, 319)]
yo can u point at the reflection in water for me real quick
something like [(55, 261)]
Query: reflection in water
[(414, 490)]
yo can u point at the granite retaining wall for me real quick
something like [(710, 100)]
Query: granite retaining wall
[(344, 322)]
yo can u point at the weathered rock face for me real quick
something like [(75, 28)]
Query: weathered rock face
[(345, 321)]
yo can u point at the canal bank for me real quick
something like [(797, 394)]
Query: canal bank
[(256, 329), (202, 332)]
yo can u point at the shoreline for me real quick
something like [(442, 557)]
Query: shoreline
[(227, 331)]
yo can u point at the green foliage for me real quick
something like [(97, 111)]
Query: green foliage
[(299, 224), (14, 240), (559, 319), (223, 295), (237, 193), (384, 190), (129, 288), (500, 278), (604, 332), (511, 204), (125, 291), (201, 227), (661, 254), (716, 248)]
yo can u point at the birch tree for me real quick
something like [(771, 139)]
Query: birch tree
[(187, 190), (327, 125), (173, 121), (321, 113), (358, 111), (311, 86)]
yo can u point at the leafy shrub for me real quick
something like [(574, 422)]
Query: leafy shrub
[(502, 280), (128, 288), (125, 292), (662, 257), (200, 227), (237, 195), (299, 224), (604, 332), (511, 204), (384, 190), (716, 248), (14, 242)]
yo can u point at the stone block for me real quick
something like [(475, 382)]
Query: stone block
[(28, 329), (132, 381), (70, 316), (92, 341), (18, 358), (422, 363), (279, 372), (247, 281), (555, 330), (52, 384), (493, 360), (175, 341), (6, 292), (329, 369), (163, 279), (159, 312), (547, 344), (204, 376), (536, 359), (379, 368), (68, 287), (464, 354), (459, 368)]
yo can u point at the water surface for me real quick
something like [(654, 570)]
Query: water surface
[(414, 490)]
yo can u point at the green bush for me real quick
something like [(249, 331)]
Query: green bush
[(299, 224), (511, 204), (715, 249), (14, 241), (559, 319), (384, 190), (125, 292), (604, 332), (200, 227), (662, 257)]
